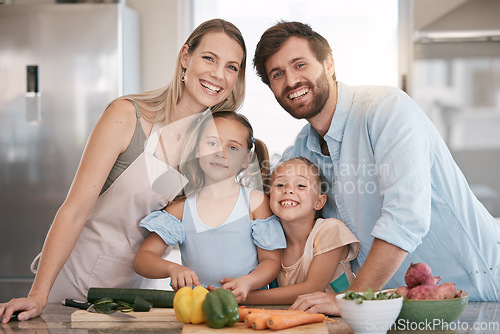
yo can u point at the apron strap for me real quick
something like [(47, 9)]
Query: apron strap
[(34, 263), (153, 139)]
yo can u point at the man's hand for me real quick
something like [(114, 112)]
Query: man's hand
[(317, 302)]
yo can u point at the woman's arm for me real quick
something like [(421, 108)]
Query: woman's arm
[(111, 136), (318, 277)]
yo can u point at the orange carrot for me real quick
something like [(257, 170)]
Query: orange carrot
[(248, 318), (258, 320), (243, 311), (283, 321), (263, 310)]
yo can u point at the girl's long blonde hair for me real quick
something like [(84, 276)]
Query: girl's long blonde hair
[(163, 101), (257, 175)]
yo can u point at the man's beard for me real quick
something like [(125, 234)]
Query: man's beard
[(321, 91)]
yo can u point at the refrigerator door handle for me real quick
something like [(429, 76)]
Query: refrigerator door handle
[(33, 103), (32, 78)]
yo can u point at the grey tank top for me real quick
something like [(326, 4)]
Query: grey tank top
[(134, 149)]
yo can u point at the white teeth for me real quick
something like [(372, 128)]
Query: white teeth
[(299, 93), (288, 203), (210, 87)]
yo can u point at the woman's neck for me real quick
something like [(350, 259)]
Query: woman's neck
[(185, 109)]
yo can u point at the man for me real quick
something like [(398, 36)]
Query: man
[(392, 179)]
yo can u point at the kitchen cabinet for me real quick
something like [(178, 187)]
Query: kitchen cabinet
[(450, 65)]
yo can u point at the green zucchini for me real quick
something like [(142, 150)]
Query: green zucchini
[(141, 305), (158, 298)]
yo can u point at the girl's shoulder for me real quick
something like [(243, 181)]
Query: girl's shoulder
[(334, 230), (176, 208), (329, 224), (258, 205)]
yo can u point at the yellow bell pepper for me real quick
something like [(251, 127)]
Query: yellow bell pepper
[(187, 304)]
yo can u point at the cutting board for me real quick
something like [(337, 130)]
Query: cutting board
[(155, 314), (317, 328), (168, 315)]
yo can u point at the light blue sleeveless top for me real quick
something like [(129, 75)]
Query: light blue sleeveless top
[(229, 250)]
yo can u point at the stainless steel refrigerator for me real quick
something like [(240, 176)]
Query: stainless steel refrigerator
[(60, 64)]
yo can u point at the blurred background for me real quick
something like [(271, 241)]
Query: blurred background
[(62, 61)]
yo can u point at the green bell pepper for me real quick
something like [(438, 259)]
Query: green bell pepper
[(220, 308)]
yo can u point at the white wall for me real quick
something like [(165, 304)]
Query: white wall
[(160, 40)]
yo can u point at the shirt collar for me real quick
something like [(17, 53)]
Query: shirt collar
[(342, 110), (313, 140)]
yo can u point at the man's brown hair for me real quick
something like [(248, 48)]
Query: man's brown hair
[(273, 39)]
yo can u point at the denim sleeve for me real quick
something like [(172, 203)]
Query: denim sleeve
[(403, 152), (167, 226)]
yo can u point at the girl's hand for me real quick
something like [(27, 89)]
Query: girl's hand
[(182, 276), (28, 308), (239, 287), (317, 302)]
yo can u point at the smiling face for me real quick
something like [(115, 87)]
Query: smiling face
[(295, 192), (212, 70), (223, 149), (300, 83)]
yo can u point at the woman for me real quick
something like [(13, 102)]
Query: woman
[(95, 234)]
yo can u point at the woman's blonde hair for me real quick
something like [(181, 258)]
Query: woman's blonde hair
[(257, 175), (164, 100)]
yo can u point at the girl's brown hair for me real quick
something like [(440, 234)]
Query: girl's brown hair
[(257, 175)]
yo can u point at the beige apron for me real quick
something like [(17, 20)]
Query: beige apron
[(104, 253)]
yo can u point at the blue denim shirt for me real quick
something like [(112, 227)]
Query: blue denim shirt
[(392, 177)]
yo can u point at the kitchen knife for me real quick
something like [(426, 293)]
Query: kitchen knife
[(77, 304)]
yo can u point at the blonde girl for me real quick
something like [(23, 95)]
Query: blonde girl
[(318, 249)]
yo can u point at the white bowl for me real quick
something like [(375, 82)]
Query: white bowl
[(371, 316)]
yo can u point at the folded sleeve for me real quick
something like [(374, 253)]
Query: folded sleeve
[(403, 144), (167, 226), (268, 233)]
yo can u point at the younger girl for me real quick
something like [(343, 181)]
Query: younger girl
[(226, 231), (318, 250)]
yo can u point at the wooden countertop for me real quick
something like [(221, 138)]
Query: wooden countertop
[(477, 317)]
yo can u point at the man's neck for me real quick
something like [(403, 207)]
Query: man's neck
[(321, 122)]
